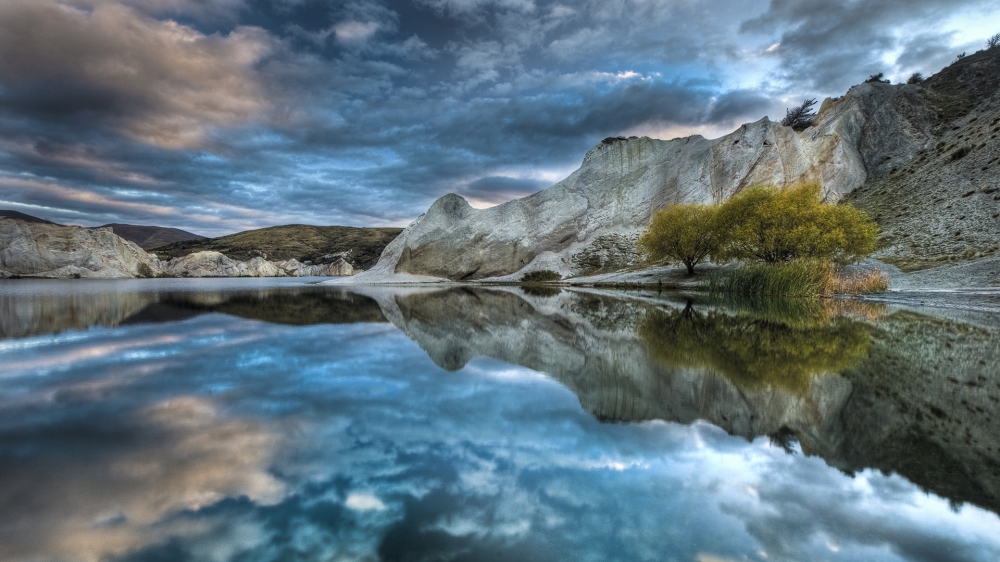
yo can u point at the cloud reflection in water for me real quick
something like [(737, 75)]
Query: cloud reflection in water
[(222, 438)]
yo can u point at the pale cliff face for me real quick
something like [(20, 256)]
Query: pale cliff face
[(46, 250), (612, 196)]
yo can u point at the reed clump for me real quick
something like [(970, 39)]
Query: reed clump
[(870, 281), (797, 278)]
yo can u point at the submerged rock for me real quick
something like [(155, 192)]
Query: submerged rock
[(47, 250)]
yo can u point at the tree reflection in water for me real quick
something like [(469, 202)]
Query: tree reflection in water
[(761, 343)]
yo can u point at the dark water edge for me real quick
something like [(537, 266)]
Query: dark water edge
[(250, 420)]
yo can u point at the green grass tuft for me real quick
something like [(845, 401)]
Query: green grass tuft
[(799, 278)]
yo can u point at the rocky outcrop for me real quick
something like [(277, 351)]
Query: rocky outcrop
[(214, 264), (46, 250), (295, 268), (30, 249), (622, 181)]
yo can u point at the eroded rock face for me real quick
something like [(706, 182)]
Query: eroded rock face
[(45, 250), (64, 252), (215, 264), (295, 268), (622, 181)]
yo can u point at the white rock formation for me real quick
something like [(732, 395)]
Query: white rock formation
[(295, 268), (45, 250), (215, 264), (611, 197)]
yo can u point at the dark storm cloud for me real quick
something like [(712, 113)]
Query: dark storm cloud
[(497, 189), (235, 114)]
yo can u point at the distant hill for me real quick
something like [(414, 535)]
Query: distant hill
[(149, 237), (300, 241), (24, 217)]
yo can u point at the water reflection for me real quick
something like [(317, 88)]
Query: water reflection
[(56, 306), (760, 346), (277, 423)]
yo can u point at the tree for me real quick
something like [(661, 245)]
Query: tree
[(801, 117), (993, 42), (915, 78), (682, 232), (771, 225)]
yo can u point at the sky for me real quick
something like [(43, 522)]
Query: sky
[(227, 115)]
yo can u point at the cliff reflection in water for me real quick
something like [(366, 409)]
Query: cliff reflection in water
[(63, 306), (854, 383), (248, 419)]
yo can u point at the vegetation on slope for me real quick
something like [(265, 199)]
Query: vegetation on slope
[(943, 205), (318, 244), (786, 238)]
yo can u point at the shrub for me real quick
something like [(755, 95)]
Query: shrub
[(771, 225), (872, 281), (801, 117), (145, 271), (915, 78), (687, 233), (541, 276), (880, 77), (993, 42)]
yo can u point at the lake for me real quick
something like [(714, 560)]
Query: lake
[(273, 419)]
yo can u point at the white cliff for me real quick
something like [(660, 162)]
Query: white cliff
[(64, 252), (46, 250), (295, 268), (600, 209)]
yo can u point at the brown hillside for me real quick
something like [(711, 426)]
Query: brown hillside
[(300, 241), (24, 217), (944, 205), (149, 237)]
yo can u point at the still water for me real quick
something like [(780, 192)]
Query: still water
[(258, 420)]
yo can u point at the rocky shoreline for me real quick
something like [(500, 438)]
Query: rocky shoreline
[(35, 250)]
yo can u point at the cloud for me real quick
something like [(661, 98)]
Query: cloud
[(157, 82), (828, 46), (355, 31), (243, 114), (493, 190)]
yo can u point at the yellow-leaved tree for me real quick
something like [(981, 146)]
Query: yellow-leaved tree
[(772, 225), (684, 232)]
